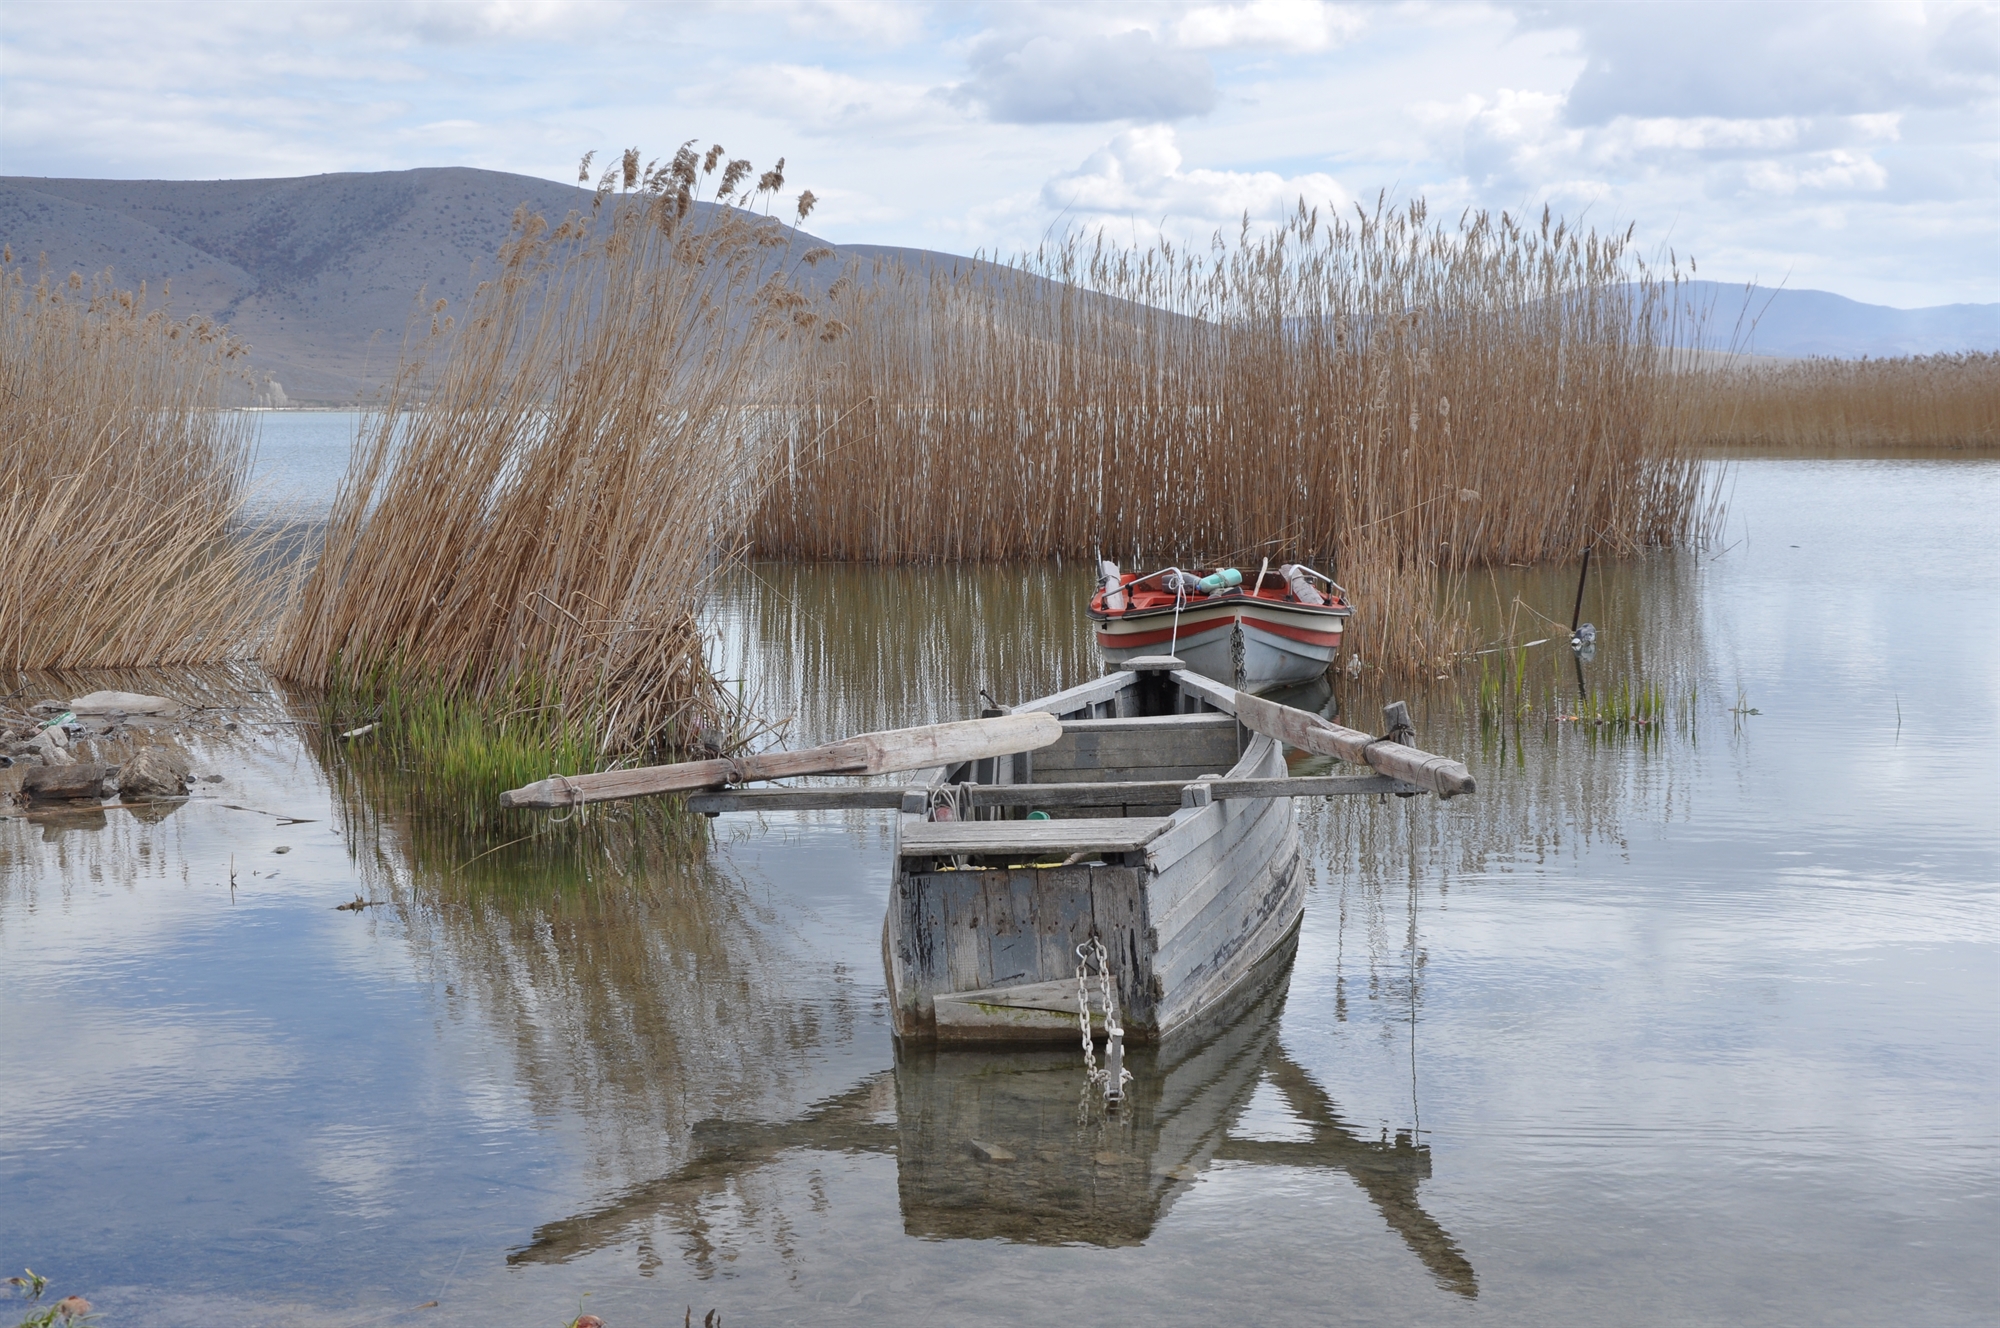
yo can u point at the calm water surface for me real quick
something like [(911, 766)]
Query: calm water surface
[(1695, 1023)]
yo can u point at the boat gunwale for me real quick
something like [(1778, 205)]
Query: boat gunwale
[(1252, 755), (1231, 601)]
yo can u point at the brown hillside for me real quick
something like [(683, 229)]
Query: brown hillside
[(318, 274)]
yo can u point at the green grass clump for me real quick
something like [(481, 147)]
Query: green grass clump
[(1624, 706), (453, 752)]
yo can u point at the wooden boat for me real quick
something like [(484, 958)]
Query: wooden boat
[(1147, 812), (1279, 628), (988, 1146), (1166, 833)]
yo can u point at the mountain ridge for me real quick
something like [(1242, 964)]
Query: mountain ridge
[(320, 274)]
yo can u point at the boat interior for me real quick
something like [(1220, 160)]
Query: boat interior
[(1131, 744), (1136, 595)]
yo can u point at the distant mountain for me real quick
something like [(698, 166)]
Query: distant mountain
[(320, 274), (1760, 320)]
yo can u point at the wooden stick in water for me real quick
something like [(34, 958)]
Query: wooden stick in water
[(865, 754)]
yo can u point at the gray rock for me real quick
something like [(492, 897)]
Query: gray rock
[(50, 783), (51, 747), (154, 772), (123, 703)]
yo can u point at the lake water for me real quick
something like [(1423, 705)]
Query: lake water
[(1690, 1023)]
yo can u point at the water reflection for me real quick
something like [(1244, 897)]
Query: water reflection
[(1016, 1146), (842, 649), (73, 846), (634, 979)]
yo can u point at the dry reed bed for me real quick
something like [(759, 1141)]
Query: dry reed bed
[(1399, 398), (1821, 405), (538, 501), (120, 481)]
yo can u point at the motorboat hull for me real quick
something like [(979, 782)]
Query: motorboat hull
[(1253, 641)]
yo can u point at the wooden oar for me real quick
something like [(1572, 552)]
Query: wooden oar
[(1440, 774), (865, 754), (1308, 732)]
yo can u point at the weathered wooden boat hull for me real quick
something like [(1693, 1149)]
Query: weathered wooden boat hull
[(956, 1108), (984, 919)]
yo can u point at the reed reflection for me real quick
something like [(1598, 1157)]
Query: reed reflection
[(637, 985), (1556, 770), (1015, 1146), (842, 649)]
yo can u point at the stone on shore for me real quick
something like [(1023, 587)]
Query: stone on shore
[(50, 747), (67, 783), (127, 703), (154, 772)]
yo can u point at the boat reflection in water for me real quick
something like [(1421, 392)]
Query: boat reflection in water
[(1017, 1146)]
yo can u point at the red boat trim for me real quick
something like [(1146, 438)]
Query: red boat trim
[(1304, 634), (1188, 632), (1231, 604)]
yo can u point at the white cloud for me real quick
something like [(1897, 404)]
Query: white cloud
[(1139, 174), (1052, 78), (881, 22), (1853, 147), (1827, 171), (1287, 25), (451, 21), (1524, 143), (1746, 61), (823, 101)]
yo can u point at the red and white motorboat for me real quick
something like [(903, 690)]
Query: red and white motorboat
[(1284, 626)]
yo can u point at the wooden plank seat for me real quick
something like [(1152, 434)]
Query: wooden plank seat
[(1123, 834)]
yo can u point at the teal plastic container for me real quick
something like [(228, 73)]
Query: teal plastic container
[(1226, 579)]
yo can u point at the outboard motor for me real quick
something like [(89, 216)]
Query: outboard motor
[(1302, 590), (1114, 587)]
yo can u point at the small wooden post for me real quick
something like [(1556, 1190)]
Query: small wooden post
[(1396, 726), (1154, 687)]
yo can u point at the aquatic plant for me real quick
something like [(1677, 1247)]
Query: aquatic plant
[(70, 1310), (1821, 406), (538, 501), (1393, 399), (121, 481), (1503, 687), (1627, 704)]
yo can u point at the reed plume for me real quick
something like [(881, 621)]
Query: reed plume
[(1398, 399), (538, 501), (122, 479)]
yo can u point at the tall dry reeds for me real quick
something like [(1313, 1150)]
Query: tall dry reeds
[(1399, 398), (1824, 406), (121, 478), (538, 500)]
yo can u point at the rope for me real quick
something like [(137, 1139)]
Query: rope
[(572, 797)]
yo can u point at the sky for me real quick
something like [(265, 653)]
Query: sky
[(1845, 147)]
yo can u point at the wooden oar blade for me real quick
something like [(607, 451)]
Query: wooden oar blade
[(948, 744), (866, 754), (609, 785), (1309, 732)]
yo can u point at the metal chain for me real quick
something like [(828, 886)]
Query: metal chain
[(1083, 958), (1114, 1076)]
